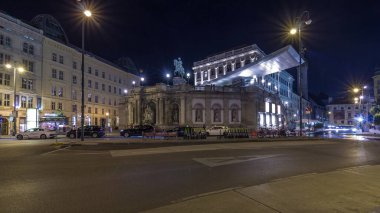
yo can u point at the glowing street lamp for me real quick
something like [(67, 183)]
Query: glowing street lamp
[(167, 78), (302, 20), (15, 71), (87, 14), (188, 77), (142, 79)]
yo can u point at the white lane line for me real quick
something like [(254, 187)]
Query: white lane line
[(46, 153)]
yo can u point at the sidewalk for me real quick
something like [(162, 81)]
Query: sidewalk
[(354, 189)]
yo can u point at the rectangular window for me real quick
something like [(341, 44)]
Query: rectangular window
[(119, 91), (23, 102), (31, 49), (114, 90), (74, 108), (96, 99), (96, 72), (103, 100), (1, 39), (60, 75), (25, 47), (25, 63), (74, 79), (109, 88), (30, 66), (89, 97), (60, 92), (60, 106), (74, 65), (8, 42), (53, 91), (1, 99), (54, 57), (53, 105), (96, 110), (7, 79), (30, 102), (7, 99), (89, 83), (103, 75), (74, 95), (7, 59), (1, 79), (102, 111), (89, 110), (24, 83), (54, 73), (89, 70), (61, 59)]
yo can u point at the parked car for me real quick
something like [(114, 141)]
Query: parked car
[(216, 130), (179, 130), (36, 133), (89, 131), (136, 130)]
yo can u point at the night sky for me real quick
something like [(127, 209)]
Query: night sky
[(343, 41)]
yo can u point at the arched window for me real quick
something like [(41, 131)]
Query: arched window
[(216, 113), (234, 109), (198, 113)]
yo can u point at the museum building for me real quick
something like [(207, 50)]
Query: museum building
[(242, 87)]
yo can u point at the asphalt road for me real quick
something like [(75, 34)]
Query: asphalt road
[(37, 176)]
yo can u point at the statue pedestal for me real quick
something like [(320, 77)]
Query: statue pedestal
[(178, 81)]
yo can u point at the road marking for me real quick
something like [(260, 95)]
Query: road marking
[(220, 161), (46, 153)]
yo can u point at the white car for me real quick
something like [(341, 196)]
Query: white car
[(216, 130), (36, 133)]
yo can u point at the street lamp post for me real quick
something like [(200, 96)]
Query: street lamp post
[(359, 100), (142, 79), (167, 78), (302, 20), (87, 14), (15, 69), (108, 120), (188, 77)]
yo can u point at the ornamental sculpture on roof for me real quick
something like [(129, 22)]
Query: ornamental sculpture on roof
[(179, 70)]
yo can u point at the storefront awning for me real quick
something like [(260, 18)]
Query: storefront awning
[(282, 59)]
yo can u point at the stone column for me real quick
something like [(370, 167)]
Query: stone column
[(224, 69), (209, 74), (161, 111), (158, 111), (182, 118), (201, 77)]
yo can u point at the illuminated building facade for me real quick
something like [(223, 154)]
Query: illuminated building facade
[(52, 83)]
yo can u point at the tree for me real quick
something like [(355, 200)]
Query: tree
[(376, 119), (375, 110)]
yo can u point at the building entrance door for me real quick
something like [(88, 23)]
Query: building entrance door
[(4, 126)]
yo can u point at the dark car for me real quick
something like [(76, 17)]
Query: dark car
[(179, 130), (136, 130), (89, 131)]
